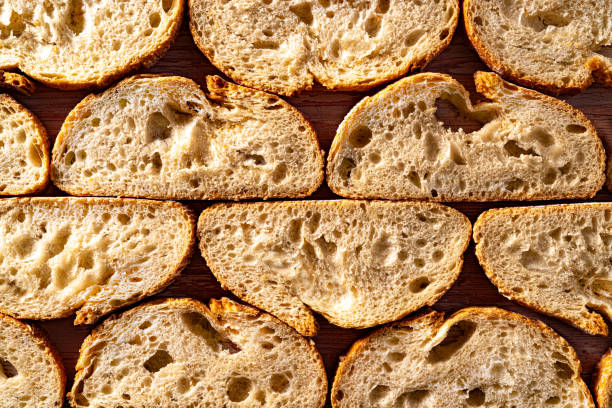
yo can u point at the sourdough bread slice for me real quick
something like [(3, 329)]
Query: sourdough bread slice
[(477, 357), (180, 353), (82, 43), (555, 259), (162, 137), (357, 263), (31, 370), (88, 255), (555, 46), (530, 146), (24, 150), (602, 383), (284, 46)]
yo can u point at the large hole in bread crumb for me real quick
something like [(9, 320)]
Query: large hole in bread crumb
[(456, 337), (346, 167), (157, 361), (563, 370), (76, 16), (303, 11), (8, 369), (360, 136), (238, 389), (378, 393), (200, 326), (279, 383), (452, 111), (382, 6), (167, 5), (513, 149), (476, 397), (158, 127), (372, 25), (419, 284), (411, 398)]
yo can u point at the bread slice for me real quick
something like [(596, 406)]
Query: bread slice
[(88, 255), (81, 44), (555, 46), (11, 81), (24, 150), (602, 383), (477, 357), (555, 259), (357, 263), (31, 370), (284, 46), (530, 146), (162, 137), (180, 353)]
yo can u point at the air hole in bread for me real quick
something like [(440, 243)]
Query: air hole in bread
[(157, 361), (476, 397), (550, 176), (303, 12), (154, 20), (279, 383), (478, 20), (238, 389), (411, 398), (295, 230), (455, 338), (79, 397), (396, 357), (513, 149), (35, 155), (456, 155), (419, 284), (372, 25), (346, 167), (532, 260), (563, 370), (7, 368), (382, 6), (158, 127), (432, 148), (199, 325), (552, 401), (265, 45), (167, 5), (360, 136), (573, 128), (444, 34), (542, 136), (514, 184), (76, 16), (452, 111), (378, 393)]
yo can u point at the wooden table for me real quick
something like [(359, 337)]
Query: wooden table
[(326, 109)]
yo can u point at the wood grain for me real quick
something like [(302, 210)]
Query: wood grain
[(325, 110)]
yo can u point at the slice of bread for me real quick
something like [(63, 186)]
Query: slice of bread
[(180, 353), (284, 46), (357, 263), (477, 357), (11, 81), (24, 150), (88, 255), (602, 383), (555, 46), (529, 147), (81, 44), (31, 370), (162, 137), (555, 259)]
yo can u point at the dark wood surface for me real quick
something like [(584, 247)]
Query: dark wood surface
[(326, 109)]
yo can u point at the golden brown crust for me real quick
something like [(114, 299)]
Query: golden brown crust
[(308, 326), (486, 83), (42, 339), (598, 327), (90, 314), (344, 86), (12, 81), (601, 380)]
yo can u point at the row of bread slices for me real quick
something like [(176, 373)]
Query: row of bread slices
[(358, 263), (283, 46), (163, 137)]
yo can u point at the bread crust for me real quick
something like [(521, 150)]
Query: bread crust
[(486, 83), (44, 343), (436, 320), (336, 86), (42, 135), (599, 327), (309, 327), (601, 380), (91, 314)]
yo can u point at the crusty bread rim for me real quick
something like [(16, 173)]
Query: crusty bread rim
[(437, 318), (590, 328), (349, 86), (506, 71), (44, 140), (601, 380), (310, 327), (216, 87), (215, 310), (107, 78), (44, 343), (87, 317), (483, 81)]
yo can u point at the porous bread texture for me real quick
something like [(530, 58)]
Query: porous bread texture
[(553, 45), (555, 259), (77, 44), (477, 357), (24, 150), (11, 81), (31, 370), (602, 383), (284, 46), (530, 147), (357, 263), (162, 137), (64, 255), (179, 353)]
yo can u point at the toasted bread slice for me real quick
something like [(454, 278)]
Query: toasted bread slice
[(530, 146), (602, 383), (477, 357), (24, 150), (357, 263), (555, 259), (180, 353), (162, 137), (88, 255), (554, 46), (31, 370), (82, 44), (284, 46)]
